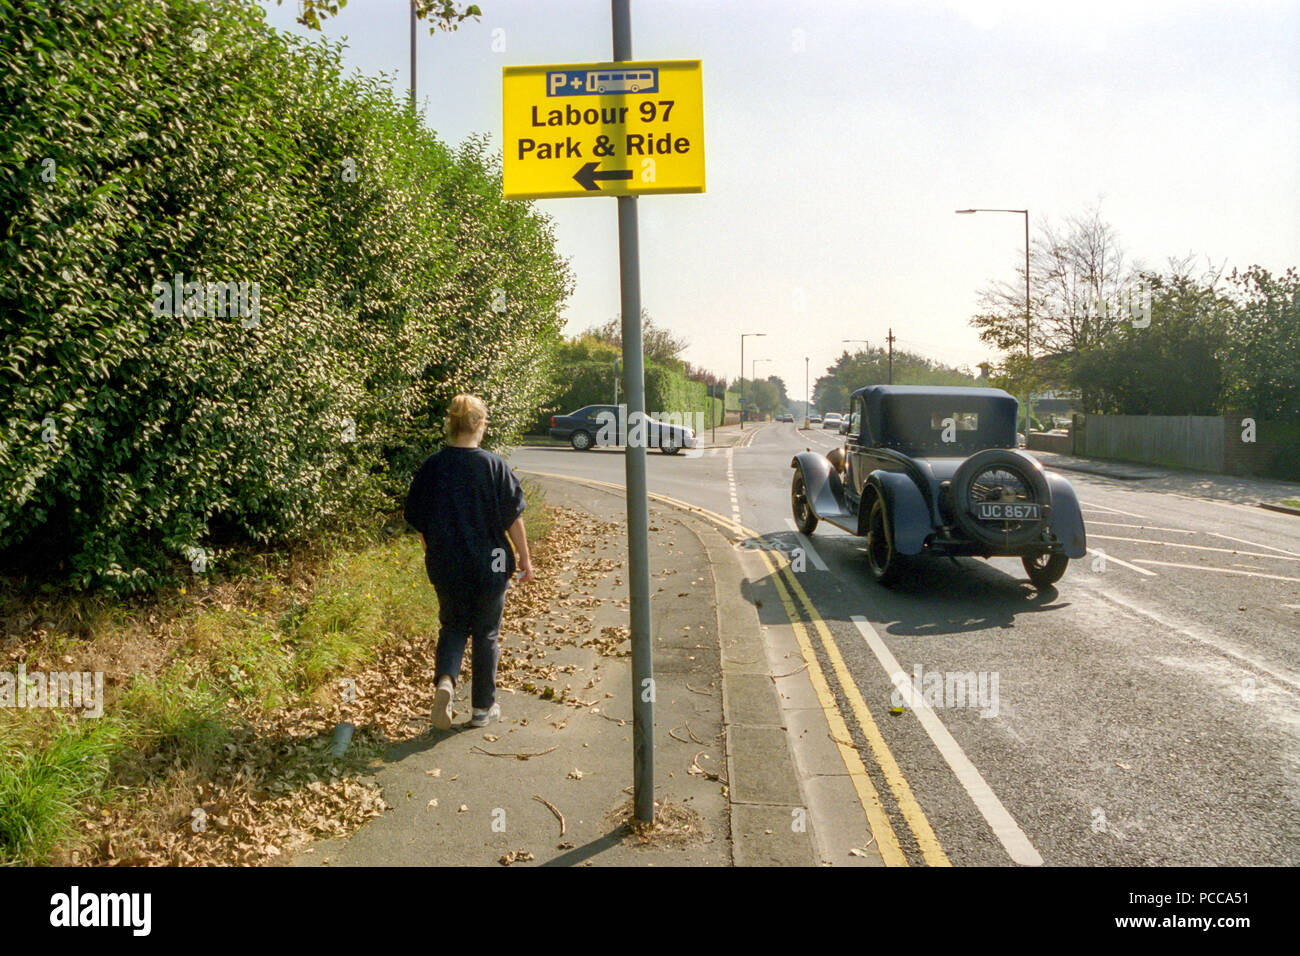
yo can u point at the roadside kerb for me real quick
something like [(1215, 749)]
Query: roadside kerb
[(835, 832)]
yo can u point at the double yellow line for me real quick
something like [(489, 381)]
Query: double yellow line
[(788, 589)]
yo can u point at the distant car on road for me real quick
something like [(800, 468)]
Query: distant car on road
[(814, 419), (832, 420), (606, 426), (787, 417), (935, 471)]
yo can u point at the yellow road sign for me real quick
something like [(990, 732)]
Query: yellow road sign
[(603, 129)]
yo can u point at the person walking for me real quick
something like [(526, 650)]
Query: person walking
[(468, 507)]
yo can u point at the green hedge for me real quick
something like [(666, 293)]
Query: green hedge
[(578, 384), (592, 383), (149, 138)]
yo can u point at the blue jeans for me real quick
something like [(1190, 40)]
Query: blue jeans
[(467, 613)]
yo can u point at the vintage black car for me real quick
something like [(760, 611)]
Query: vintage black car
[(936, 471)]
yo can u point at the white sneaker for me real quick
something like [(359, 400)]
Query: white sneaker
[(442, 703), (484, 717)]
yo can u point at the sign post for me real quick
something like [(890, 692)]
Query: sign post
[(620, 129)]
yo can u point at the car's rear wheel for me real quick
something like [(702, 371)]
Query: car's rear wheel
[(1044, 569), (804, 518), (885, 563), (670, 444), (580, 440)]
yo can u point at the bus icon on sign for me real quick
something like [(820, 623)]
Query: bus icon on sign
[(602, 82), (641, 81)]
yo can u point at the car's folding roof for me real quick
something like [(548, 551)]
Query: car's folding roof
[(900, 415)]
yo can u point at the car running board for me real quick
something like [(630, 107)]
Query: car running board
[(845, 522)]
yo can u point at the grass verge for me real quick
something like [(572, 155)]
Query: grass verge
[(227, 684)]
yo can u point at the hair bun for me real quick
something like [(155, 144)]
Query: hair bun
[(465, 415)]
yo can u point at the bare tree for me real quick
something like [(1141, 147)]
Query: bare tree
[(1081, 288)]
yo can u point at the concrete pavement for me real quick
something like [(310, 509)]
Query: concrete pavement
[(725, 776)]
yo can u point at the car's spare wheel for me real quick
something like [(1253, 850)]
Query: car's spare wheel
[(1001, 498)]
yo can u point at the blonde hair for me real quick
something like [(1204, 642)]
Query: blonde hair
[(466, 414)]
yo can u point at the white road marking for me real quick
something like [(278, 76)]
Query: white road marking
[(1115, 511), (1196, 547), (1207, 501), (1122, 564), (1144, 527), (1200, 636), (731, 484), (1252, 543), (1004, 826), (807, 546), (1203, 567)]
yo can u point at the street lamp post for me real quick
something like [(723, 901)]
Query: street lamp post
[(413, 56), (742, 373), (1028, 353), (805, 391)]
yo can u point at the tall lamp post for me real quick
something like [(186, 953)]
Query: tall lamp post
[(1028, 354), (742, 373), (754, 364), (805, 391)]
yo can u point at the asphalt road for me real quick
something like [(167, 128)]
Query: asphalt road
[(1146, 711)]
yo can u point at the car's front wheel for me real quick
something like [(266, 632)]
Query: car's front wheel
[(1044, 569), (804, 518), (670, 444), (580, 440), (885, 563)]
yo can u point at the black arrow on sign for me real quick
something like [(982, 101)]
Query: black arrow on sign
[(587, 175)]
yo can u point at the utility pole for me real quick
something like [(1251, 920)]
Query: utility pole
[(890, 339), (412, 57), (805, 391), (742, 373), (713, 412), (638, 515)]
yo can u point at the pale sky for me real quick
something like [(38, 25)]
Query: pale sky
[(840, 137)]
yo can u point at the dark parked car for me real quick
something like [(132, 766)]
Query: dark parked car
[(607, 426), (936, 471)]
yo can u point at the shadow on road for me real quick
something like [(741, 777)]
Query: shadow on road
[(936, 597)]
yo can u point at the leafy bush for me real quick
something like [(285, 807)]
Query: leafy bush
[(146, 139), (592, 383)]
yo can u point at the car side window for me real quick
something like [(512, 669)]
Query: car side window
[(855, 419)]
